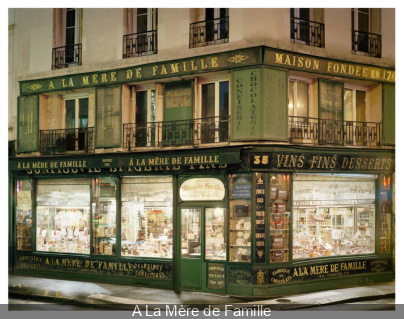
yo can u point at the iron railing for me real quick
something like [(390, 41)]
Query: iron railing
[(61, 141), (63, 57), (307, 130), (138, 44), (308, 32), (191, 132), (209, 32), (368, 43)]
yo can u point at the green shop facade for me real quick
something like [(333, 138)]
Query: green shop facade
[(248, 212)]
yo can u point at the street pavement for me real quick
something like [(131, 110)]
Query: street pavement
[(119, 297)]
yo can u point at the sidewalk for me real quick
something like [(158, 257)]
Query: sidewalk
[(125, 297)]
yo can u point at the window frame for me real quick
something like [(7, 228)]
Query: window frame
[(296, 80), (76, 98), (355, 88)]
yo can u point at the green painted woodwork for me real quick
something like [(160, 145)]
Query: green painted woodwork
[(330, 101), (246, 104), (389, 114), (275, 105), (27, 123), (108, 117)]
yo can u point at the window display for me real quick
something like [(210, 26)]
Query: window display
[(190, 233), (146, 217), (240, 218), (24, 214), (215, 238), (104, 216), (63, 216), (333, 215), (279, 217)]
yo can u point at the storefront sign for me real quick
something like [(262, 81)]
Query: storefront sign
[(241, 187), (260, 218), (326, 66), (327, 270), (216, 276), (201, 64), (124, 162), (90, 266), (240, 276), (326, 162), (197, 189)]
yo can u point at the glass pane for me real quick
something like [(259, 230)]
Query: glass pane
[(24, 214), (153, 106), (70, 114), (190, 233), (70, 17), (147, 217), (361, 106), (291, 98), (363, 20), (215, 234), (344, 226), (83, 113), (304, 14), (302, 103), (208, 100), (141, 22), (104, 216), (279, 217), (63, 216), (141, 118), (348, 107), (224, 99)]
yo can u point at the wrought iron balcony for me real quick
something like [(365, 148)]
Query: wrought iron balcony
[(176, 133), (367, 43), (307, 32), (137, 44), (52, 142), (307, 130), (209, 32), (63, 57)]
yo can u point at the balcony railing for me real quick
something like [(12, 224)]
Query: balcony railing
[(62, 141), (138, 44), (308, 32), (63, 57), (307, 130), (367, 43), (209, 32), (176, 133)]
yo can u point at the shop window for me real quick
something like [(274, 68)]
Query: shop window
[(215, 112), (104, 216), (141, 32), (147, 217), (240, 218), (385, 189), (66, 37), (215, 234), (366, 38), (333, 215), (24, 214), (279, 218), (63, 216), (190, 233)]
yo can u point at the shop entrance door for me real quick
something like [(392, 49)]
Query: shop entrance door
[(190, 275)]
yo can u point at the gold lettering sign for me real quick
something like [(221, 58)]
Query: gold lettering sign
[(325, 66)]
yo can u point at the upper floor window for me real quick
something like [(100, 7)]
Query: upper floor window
[(141, 32), (307, 26), (298, 98), (366, 38), (76, 113), (211, 26), (66, 37)]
